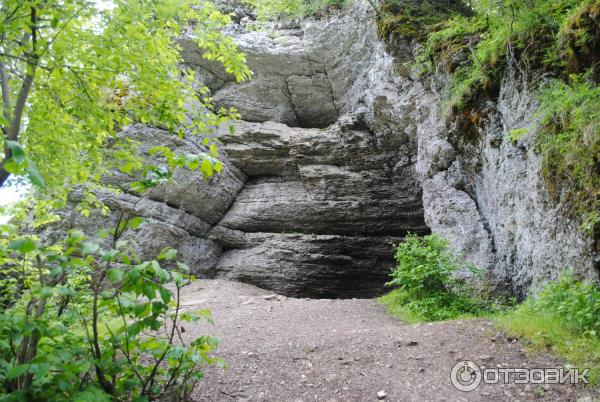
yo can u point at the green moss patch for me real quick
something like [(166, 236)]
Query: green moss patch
[(415, 19), (580, 40)]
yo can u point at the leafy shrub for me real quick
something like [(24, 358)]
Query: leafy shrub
[(565, 318), (96, 322), (85, 319), (428, 286), (575, 303)]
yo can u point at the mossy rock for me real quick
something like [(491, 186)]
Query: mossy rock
[(415, 19), (580, 40)]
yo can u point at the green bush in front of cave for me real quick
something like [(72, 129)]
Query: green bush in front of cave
[(563, 317), (433, 283)]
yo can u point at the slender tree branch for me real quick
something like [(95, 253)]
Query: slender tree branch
[(106, 385), (15, 127), (82, 84), (84, 324), (61, 29), (150, 380), (27, 60), (125, 350), (5, 92)]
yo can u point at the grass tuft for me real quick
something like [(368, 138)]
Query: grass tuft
[(564, 319), (542, 332)]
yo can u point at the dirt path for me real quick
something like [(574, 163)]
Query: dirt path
[(284, 349)]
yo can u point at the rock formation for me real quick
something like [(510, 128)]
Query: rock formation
[(341, 151)]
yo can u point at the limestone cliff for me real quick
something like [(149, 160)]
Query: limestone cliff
[(341, 151)]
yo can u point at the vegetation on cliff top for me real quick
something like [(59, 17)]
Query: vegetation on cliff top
[(553, 44), (414, 19)]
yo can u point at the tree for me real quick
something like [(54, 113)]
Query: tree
[(86, 318), (72, 74)]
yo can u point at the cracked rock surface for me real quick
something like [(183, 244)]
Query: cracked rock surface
[(340, 152)]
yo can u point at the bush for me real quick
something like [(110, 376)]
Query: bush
[(90, 321), (85, 319), (564, 318), (575, 303), (428, 285)]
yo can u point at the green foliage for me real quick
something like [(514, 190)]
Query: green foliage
[(576, 303), (557, 37), (206, 162), (77, 75), (510, 31), (20, 165), (449, 44), (427, 282), (91, 321), (569, 141), (271, 10), (579, 40), (85, 318), (565, 318), (536, 36), (414, 19), (15, 275), (425, 266)]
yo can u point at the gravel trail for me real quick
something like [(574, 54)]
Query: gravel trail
[(285, 349)]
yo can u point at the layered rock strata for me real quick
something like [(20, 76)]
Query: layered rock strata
[(341, 151)]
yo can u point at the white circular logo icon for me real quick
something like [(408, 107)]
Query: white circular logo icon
[(465, 376)]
